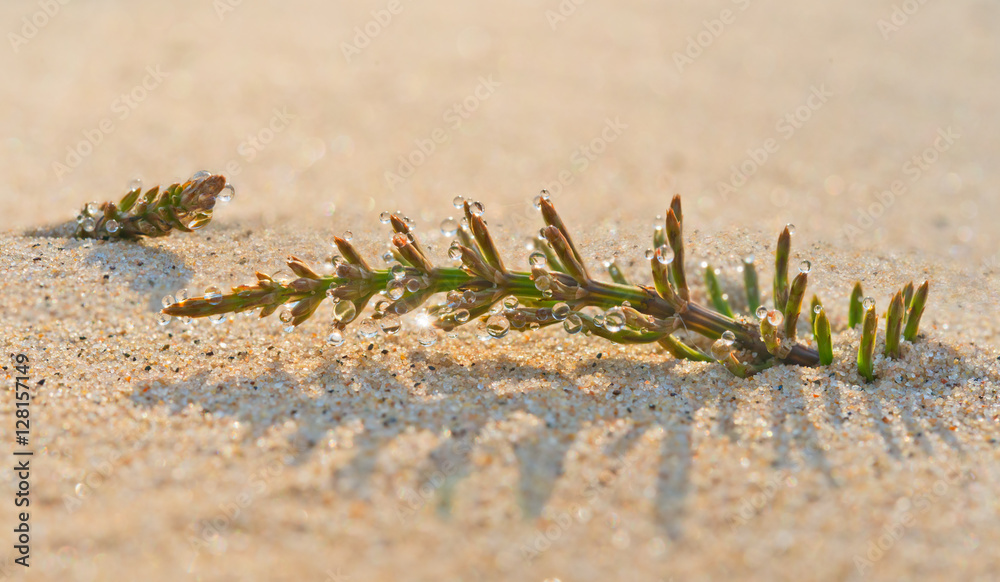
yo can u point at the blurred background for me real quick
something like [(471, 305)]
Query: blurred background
[(758, 112)]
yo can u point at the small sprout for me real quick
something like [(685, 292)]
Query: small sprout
[(815, 307), (916, 311), (751, 284), (781, 253), (855, 312), (821, 331), (894, 325), (676, 241), (715, 292), (794, 305), (866, 350)]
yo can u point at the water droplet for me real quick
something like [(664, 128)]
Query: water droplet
[(217, 319), (427, 336), (385, 217), (201, 174), (761, 312), (135, 184), (336, 338), (868, 303), (665, 255), (345, 312), (573, 323), (749, 259), (286, 316), (88, 224), (413, 285), (449, 226), (112, 226), (805, 267), (537, 202), (533, 325), (728, 337), (94, 209), (510, 302), (167, 300), (391, 324), (818, 309), (348, 235), (477, 208), (227, 194), (397, 271), (542, 283), (774, 317), (721, 349), (497, 326), (462, 315), (790, 227), (537, 259), (599, 320), (163, 318), (650, 253), (458, 202), (469, 296), (368, 328), (388, 257), (518, 319), (213, 296), (380, 306), (454, 298), (560, 311), (395, 290), (614, 319)]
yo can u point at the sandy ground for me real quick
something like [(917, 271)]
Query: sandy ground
[(239, 452)]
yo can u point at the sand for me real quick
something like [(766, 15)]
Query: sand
[(240, 452)]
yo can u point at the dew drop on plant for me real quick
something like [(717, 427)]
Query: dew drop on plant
[(391, 324), (94, 209), (614, 319), (547, 294), (537, 202), (560, 311), (348, 235), (665, 255), (518, 319), (510, 302), (749, 259), (533, 325), (728, 337), (573, 323), (774, 317), (368, 328), (599, 320), (413, 285), (111, 226), (454, 298), (227, 194), (497, 326), (805, 267), (449, 226), (542, 283), (217, 319), (458, 202), (345, 311), (380, 306), (336, 338), (477, 208), (162, 318), (200, 175), (469, 296), (650, 253), (427, 336), (721, 349), (395, 290), (388, 257), (537, 259), (761, 312), (818, 309), (462, 315), (88, 224), (791, 228), (385, 217), (167, 300), (135, 184), (397, 271), (543, 313), (286, 316), (213, 296), (182, 295), (868, 303)]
